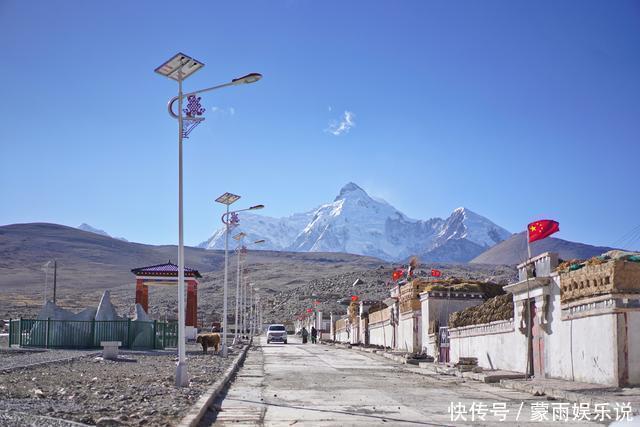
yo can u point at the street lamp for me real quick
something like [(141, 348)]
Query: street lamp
[(227, 199), (243, 291), (253, 310), (45, 267), (178, 68), (240, 238)]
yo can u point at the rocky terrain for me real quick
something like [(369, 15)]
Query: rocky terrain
[(138, 389), (89, 263), (372, 284)]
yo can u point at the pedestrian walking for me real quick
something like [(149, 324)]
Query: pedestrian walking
[(304, 334), (314, 335)]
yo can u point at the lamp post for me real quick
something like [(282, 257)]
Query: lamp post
[(240, 238), (45, 267), (230, 218), (178, 68), (254, 311), (243, 291)]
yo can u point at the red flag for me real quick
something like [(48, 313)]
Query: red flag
[(540, 229), (309, 310), (317, 302), (354, 298), (436, 273), (397, 274)]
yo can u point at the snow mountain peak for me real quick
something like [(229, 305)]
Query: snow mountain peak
[(358, 223), (351, 190)]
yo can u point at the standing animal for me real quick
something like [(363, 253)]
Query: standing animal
[(209, 340)]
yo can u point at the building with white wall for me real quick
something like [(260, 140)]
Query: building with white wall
[(584, 324)]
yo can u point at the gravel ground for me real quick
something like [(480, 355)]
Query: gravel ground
[(138, 389), (16, 358)]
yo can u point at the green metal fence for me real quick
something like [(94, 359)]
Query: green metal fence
[(89, 334)]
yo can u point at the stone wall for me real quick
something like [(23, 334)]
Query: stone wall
[(380, 315), (613, 276)]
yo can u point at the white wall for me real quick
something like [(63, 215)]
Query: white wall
[(341, 336), (439, 308), (409, 332), (582, 349), (497, 345), (381, 333), (633, 334), (429, 345)]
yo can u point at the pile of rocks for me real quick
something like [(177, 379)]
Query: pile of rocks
[(136, 390), (468, 364)]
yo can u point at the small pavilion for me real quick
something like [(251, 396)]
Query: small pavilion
[(167, 275)]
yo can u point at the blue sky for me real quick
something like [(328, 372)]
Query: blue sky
[(517, 110)]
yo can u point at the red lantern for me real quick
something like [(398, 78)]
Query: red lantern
[(354, 298), (397, 274), (436, 273)]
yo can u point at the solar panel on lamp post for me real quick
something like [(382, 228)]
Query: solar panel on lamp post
[(227, 199), (178, 68)]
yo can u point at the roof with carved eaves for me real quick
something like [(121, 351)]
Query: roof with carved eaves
[(165, 270)]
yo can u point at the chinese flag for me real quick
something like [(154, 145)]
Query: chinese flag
[(540, 229), (397, 274), (436, 273)]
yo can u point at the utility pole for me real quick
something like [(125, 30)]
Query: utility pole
[(55, 277)]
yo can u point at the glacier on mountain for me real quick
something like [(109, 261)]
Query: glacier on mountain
[(358, 223)]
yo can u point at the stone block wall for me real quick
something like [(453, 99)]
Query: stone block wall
[(614, 276)]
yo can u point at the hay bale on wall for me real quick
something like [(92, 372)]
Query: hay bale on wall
[(494, 309)]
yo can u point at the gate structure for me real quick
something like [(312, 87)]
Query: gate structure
[(167, 275)]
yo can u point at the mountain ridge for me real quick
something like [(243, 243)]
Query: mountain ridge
[(86, 227), (355, 222), (513, 250)]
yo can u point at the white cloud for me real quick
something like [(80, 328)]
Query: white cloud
[(343, 126), (222, 110)]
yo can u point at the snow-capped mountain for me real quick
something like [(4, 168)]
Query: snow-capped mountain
[(278, 233), (86, 227), (357, 223)]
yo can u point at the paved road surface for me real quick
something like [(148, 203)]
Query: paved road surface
[(298, 384)]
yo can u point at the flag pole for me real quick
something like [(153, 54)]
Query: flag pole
[(529, 319)]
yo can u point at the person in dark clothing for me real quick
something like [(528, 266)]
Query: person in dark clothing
[(304, 334), (314, 335)]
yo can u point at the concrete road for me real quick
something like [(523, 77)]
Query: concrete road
[(314, 385)]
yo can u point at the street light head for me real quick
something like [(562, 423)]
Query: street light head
[(240, 235), (249, 78), (252, 208), (227, 198)]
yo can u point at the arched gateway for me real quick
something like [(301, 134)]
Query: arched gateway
[(167, 275)]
